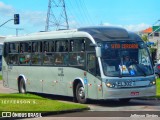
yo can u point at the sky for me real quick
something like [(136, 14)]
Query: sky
[(133, 15)]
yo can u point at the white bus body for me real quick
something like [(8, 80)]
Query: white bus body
[(88, 78)]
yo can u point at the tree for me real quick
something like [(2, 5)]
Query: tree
[(145, 38), (151, 47)]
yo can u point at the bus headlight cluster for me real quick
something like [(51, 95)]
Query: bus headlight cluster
[(110, 85), (153, 82)]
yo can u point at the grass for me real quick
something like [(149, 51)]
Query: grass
[(158, 88), (29, 102), (0, 77)]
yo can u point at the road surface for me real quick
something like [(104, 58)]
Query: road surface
[(110, 109), (6, 90)]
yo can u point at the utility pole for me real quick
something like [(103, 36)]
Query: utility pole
[(56, 15), (17, 29)]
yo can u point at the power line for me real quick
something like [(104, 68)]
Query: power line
[(72, 10), (57, 14), (78, 8), (81, 11), (87, 13)]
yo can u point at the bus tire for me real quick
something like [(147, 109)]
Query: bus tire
[(124, 100), (22, 86), (80, 94)]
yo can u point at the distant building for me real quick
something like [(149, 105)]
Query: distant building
[(153, 34), (2, 39)]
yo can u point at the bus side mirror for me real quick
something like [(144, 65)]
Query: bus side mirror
[(98, 51)]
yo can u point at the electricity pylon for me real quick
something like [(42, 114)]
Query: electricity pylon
[(56, 16)]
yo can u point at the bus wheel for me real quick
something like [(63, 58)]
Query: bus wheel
[(80, 94), (21, 86), (125, 100)]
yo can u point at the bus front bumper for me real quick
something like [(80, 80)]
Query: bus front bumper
[(112, 93)]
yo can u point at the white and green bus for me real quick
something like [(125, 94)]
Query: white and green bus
[(85, 63)]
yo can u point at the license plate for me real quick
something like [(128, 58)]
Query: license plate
[(134, 93), (132, 83), (124, 84)]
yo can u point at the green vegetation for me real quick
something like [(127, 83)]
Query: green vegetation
[(158, 87), (29, 102), (0, 77)]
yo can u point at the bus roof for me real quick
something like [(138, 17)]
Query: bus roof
[(103, 33), (108, 33)]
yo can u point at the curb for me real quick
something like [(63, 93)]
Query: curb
[(64, 111), (147, 98)]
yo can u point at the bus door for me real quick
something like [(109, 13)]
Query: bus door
[(95, 83)]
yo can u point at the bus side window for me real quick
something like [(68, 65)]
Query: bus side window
[(6, 50), (91, 63), (48, 59), (77, 45), (71, 45), (73, 59), (88, 45), (36, 58), (62, 46), (45, 46), (13, 47), (13, 59), (58, 59), (13, 53), (37, 47), (51, 46)]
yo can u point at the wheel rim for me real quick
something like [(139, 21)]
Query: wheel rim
[(81, 93)]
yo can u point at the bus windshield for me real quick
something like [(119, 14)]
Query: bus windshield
[(124, 58)]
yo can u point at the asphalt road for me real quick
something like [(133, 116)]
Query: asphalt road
[(102, 109)]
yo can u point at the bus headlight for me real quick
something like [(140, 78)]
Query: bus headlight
[(153, 82), (110, 85)]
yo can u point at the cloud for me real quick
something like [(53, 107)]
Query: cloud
[(131, 27), (35, 18), (32, 18), (6, 9), (73, 24)]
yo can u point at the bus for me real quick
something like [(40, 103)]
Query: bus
[(84, 63), (1, 46), (2, 38)]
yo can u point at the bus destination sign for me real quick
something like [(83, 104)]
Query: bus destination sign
[(124, 46)]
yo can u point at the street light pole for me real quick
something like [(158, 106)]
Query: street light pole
[(6, 22)]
